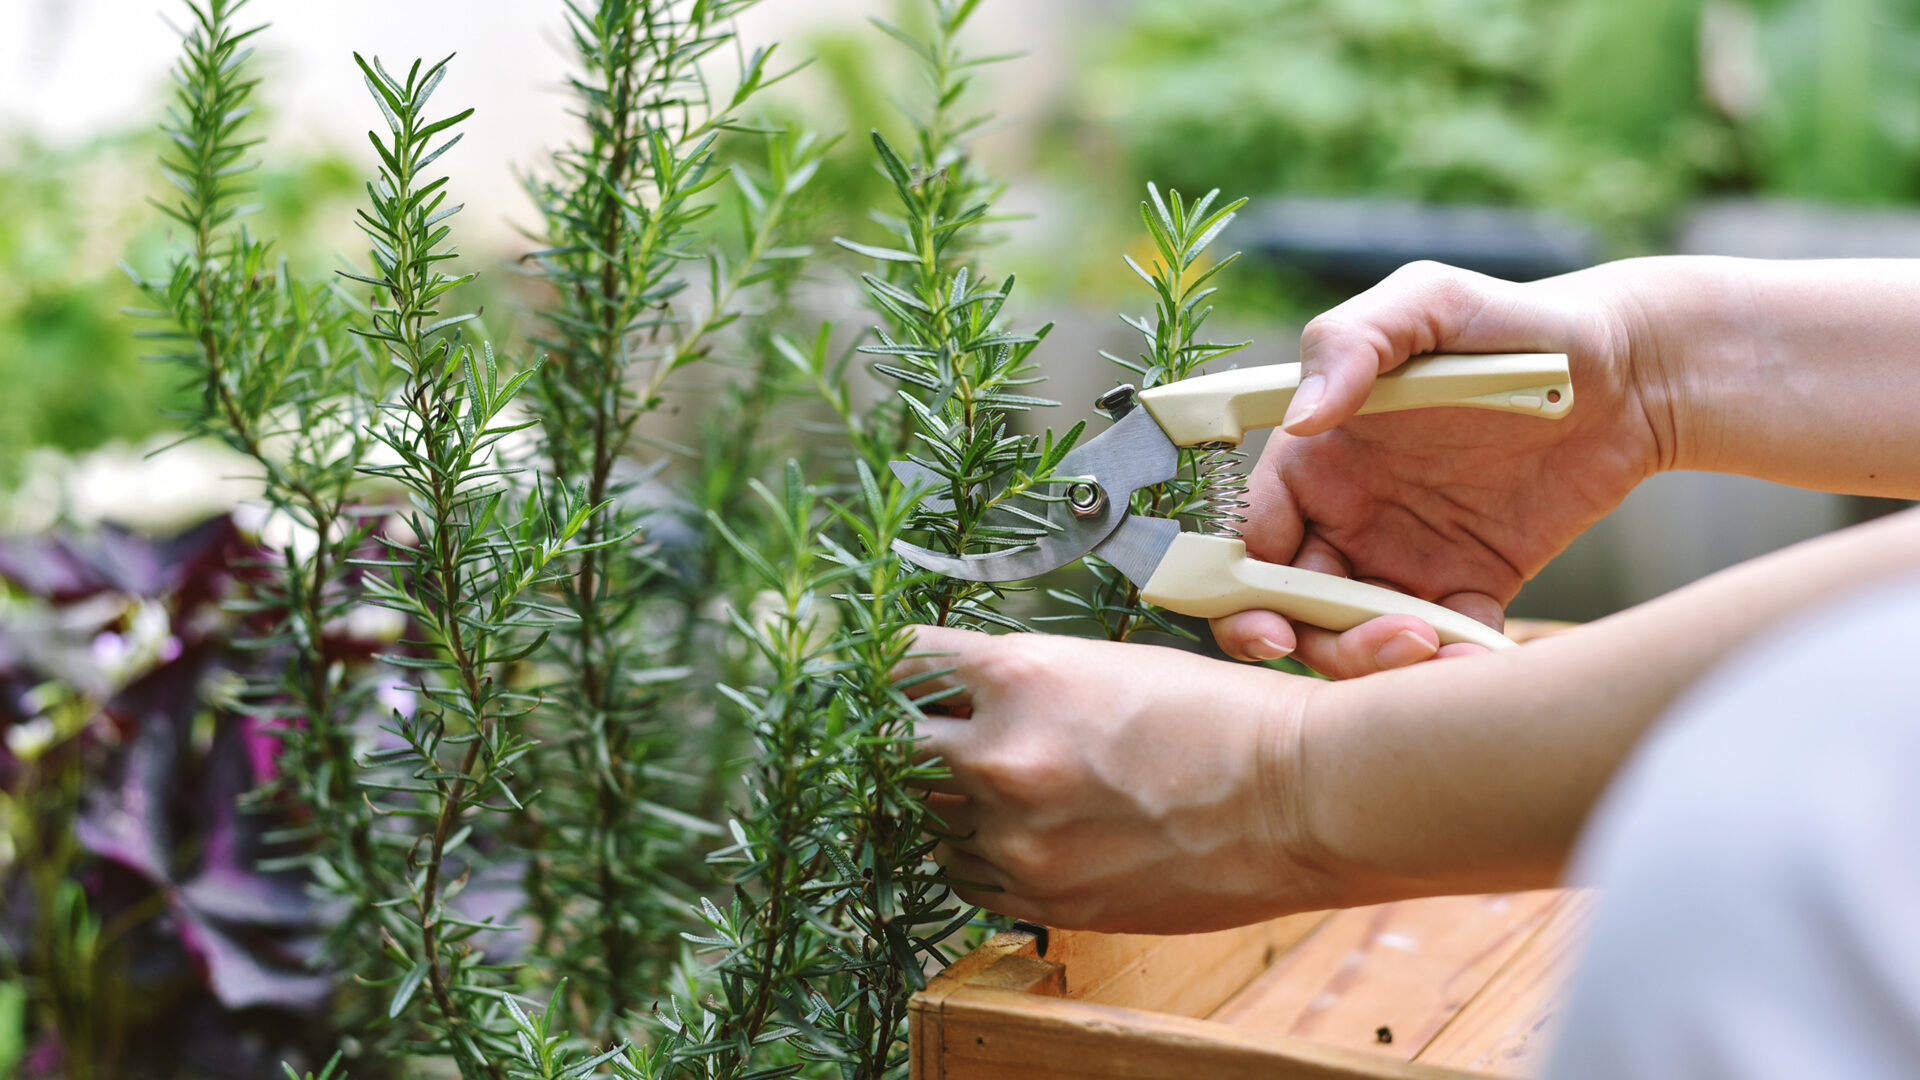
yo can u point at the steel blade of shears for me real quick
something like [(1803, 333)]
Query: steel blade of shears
[(1137, 546), (914, 474), (1132, 454)]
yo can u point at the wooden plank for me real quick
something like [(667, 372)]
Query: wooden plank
[(1185, 975), (1027, 974), (924, 1009), (1507, 1029), (993, 1034), (1407, 967)]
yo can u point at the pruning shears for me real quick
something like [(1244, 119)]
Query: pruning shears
[(1209, 574)]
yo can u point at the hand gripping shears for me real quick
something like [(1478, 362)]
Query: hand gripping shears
[(1207, 575)]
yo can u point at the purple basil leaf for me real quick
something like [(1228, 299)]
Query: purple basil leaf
[(47, 567), (240, 978), (68, 566), (226, 886), (125, 820), (233, 895)]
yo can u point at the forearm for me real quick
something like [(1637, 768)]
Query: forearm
[(1477, 774), (1806, 373)]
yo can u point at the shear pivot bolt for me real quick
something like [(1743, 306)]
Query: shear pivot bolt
[(1086, 499), (1116, 402)]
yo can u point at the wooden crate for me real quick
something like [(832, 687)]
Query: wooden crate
[(1463, 986)]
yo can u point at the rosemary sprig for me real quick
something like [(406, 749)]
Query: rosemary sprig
[(283, 382), (466, 578), (961, 375), (1181, 278), (626, 211)]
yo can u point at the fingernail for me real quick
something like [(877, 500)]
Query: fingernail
[(1305, 400), (1403, 648), (1265, 648)]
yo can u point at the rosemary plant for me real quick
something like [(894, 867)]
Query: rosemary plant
[(1182, 282), (961, 374), (833, 914), (283, 382), (466, 578), (835, 910), (777, 932), (553, 640), (624, 211)]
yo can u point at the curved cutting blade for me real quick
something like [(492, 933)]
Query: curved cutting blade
[(1132, 454), (912, 473)]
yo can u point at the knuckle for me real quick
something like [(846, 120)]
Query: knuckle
[(1349, 334), (1019, 660), (1324, 330), (1440, 287), (1024, 774), (1420, 270), (1026, 858)]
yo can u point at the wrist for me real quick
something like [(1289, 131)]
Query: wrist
[(1373, 824), (1291, 819), (1685, 327)]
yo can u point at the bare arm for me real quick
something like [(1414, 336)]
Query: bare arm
[(1130, 787), (1805, 373), (1477, 775)]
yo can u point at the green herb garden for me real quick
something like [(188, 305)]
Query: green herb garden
[(573, 752)]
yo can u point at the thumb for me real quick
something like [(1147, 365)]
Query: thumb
[(1422, 307)]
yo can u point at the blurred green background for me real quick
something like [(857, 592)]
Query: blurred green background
[(1743, 126)]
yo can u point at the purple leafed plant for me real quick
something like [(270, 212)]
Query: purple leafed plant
[(135, 908)]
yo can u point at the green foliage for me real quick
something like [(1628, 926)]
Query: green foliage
[(835, 909), (961, 372), (467, 579), (556, 643), (1598, 107), (627, 212), (73, 370), (1415, 97), (1181, 278), (283, 380), (1835, 114)]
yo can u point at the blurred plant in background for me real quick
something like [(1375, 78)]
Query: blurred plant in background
[(1617, 111), (70, 362), (143, 935)]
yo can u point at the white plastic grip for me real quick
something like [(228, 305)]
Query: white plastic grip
[(1222, 408), (1211, 576)]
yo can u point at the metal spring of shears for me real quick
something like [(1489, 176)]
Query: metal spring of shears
[(1223, 489)]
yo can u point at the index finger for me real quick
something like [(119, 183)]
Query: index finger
[(1420, 308), (932, 671)]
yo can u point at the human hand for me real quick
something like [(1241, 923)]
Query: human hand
[(1456, 506), (1115, 787)]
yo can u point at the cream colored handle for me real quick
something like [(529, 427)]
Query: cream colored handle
[(1211, 576), (1222, 408)]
